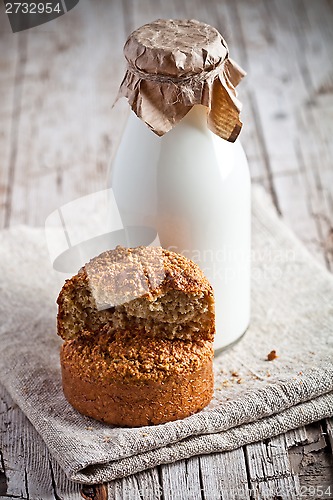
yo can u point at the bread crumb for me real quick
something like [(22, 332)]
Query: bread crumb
[(224, 384), (89, 428), (234, 374), (240, 381), (271, 356)]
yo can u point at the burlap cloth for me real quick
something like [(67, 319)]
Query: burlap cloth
[(254, 398)]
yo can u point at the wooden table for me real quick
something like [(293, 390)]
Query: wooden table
[(57, 135)]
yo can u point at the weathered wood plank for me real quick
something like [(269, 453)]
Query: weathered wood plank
[(182, 477), (277, 115), (10, 76), (285, 46), (312, 461), (224, 475), (269, 83), (309, 40), (255, 142), (15, 468), (66, 131), (329, 427), (295, 437), (297, 211), (318, 173), (269, 470), (319, 194), (29, 471), (8, 63), (227, 16), (144, 485), (315, 20)]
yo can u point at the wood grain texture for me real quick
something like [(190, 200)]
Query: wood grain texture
[(28, 470), (224, 474), (58, 132), (145, 485), (183, 477), (329, 428), (270, 471), (311, 456), (64, 120), (10, 74)]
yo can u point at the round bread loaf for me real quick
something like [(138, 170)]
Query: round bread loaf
[(139, 326), (131, 382)]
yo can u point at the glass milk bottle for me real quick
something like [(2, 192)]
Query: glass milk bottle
[(178, 168)]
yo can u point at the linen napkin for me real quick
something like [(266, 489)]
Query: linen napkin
[(255, 398)]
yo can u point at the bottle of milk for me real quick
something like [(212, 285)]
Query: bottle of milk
[(178, 168)]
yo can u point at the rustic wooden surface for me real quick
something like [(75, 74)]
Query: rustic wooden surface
[(57, 135)]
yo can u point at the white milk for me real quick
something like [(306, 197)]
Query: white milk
[(194, 188)]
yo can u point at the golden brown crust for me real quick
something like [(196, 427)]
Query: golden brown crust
[(155, 269), (134, 358), (139, 325), (143, 271), (124, 276), (118, 384)]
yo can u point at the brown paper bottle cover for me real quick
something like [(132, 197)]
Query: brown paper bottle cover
[(175, 64)]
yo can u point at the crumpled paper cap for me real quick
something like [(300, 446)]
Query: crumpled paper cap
[(175, 64)]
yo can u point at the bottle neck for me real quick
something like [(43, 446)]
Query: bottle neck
[(196, 117)]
